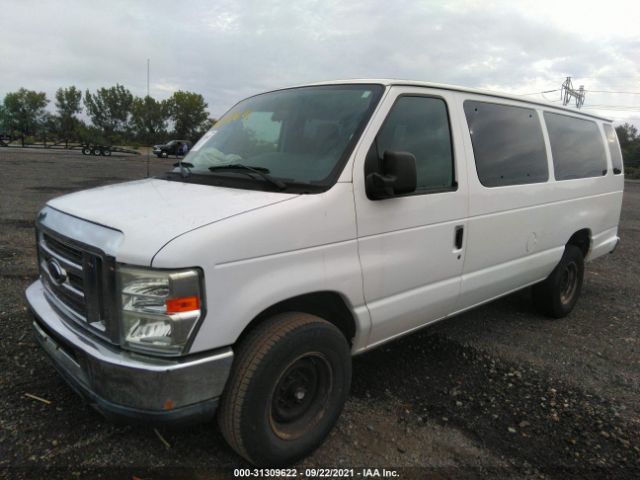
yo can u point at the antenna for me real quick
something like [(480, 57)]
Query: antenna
[(147, 115), (567, 92)]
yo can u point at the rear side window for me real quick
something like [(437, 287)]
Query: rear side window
[(418, 125), (614, 148), (576, 146), (508, 145)]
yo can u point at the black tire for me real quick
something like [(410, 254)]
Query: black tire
[(557, 295), (96, 151), (288, 384), (106, 152), (86, 151)]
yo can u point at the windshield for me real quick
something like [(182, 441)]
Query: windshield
[(296, 136)]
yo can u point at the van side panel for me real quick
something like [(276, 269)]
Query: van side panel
[(517, 234)]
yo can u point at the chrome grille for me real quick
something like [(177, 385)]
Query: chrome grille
[(76, 281)]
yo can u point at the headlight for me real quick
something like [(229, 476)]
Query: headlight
[(160, 308)]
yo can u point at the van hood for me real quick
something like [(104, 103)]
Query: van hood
[(151, 212)]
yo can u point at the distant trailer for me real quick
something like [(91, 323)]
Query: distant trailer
[(105, 150), (85, 148)]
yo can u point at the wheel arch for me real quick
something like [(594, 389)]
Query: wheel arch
[(327, 304), (582, 240)]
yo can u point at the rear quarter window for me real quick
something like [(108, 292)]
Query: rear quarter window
[(614, 149), (508, 145), (576, 146)]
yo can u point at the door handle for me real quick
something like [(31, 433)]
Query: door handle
[(459, 237)]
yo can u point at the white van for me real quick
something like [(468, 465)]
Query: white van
[(308, 225)]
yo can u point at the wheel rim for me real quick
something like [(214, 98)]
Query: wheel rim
[(568, 283), (300, 396)]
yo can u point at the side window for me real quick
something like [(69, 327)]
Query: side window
[(418, 125), (614, 148), (508, 145), (576, 146)]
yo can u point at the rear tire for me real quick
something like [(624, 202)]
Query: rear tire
[(288, 384), (86, 151), (557, 295)]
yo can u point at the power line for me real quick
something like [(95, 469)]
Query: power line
[(590, 91), (538, 93), (637, 75), (604, 105), (613, 108), (547, 99), (612, 91)]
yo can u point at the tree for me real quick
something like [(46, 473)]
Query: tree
[(68, 106), (24, 111), (4, 120), (188, 111), (629, 144), (149, 118), (4, 125), (109, 110)]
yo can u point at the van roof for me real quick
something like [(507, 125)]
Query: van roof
[(442, 86)]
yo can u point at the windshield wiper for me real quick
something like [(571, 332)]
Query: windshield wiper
[(185, 168), (184, 164), (263, 172)]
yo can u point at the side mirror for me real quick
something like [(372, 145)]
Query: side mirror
[(399, 176)]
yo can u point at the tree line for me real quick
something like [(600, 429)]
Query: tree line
[(116, 117), (629, 144)]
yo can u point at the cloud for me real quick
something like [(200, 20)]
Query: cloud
[(227, 50)]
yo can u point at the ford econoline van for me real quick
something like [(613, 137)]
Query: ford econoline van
[(308, 225)]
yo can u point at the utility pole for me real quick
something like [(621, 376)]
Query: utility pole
[(567, 92), (147, 115)]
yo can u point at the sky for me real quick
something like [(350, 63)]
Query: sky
[(227, 50)]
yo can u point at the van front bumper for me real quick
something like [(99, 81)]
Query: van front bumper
[(127, 386)]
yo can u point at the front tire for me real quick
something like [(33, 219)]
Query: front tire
[(557, 295), (288, 385)]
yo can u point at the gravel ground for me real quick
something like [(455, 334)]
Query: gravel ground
[(496, 392)]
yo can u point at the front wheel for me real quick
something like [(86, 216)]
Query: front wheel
[(557, 295), (289, 381)]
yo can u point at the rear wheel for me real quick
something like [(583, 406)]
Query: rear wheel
[(106, 152), (86, 151), (557, 295), (288, 384)]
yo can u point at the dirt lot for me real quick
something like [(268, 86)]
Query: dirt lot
[(499, 391)]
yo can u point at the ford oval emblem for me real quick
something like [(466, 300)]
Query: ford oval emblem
[(57, 273)]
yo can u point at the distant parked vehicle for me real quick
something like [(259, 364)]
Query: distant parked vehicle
[(173, 147)]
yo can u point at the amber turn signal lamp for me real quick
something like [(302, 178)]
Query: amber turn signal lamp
[(182, 304)]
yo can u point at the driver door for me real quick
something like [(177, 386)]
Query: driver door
[(412, 246)]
